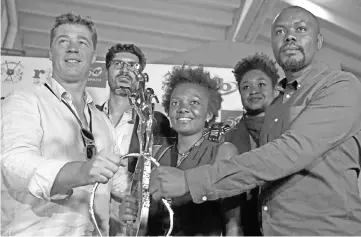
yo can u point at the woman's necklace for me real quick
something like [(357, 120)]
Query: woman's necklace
[(184, 155)]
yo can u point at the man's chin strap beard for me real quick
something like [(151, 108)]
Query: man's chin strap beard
[(254, 112), (122, 91), (122, 94)]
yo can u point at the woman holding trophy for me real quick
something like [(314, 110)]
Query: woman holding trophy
[(192, 101)]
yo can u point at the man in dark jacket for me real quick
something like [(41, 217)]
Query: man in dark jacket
[(256, 77), (121, 62)]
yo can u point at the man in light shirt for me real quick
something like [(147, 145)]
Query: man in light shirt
[(121, 62), (55, 143)]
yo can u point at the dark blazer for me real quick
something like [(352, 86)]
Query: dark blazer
[(161, 129), (240, 137)]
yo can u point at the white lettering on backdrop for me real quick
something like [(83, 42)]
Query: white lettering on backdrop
[(20, 72)]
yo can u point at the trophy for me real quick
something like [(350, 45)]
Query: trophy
[(142, 101)]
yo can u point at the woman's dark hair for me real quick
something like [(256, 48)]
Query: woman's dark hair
[(257, 61), (195, 75)]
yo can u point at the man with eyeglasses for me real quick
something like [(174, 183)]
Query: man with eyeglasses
[(122, 60), (56, 144)]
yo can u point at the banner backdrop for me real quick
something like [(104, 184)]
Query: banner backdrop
[(20, 72)]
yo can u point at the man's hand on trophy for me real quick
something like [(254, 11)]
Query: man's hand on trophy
[(128, 209), (167, 182), (99, 168)]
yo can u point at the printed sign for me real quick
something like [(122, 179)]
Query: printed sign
[(19, 72), (97, 75), (231, 117)]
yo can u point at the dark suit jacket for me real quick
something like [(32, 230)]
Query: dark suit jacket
[(239, 136), (161, 129)]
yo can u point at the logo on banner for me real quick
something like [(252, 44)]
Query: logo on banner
[(97, 76), (231, 117), (41, 75), (11, 72), (228, 87)]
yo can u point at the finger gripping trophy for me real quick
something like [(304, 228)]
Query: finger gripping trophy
[(141, 99)]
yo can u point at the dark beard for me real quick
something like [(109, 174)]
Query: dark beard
[(292, 65), (122, 94), (254, 112), (121, 91)]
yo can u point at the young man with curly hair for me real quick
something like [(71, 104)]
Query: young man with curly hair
[(256, 77), (121, 62)]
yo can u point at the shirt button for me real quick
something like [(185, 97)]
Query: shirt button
[(204, 198), (265, 208), (276, 119), (287, 96)]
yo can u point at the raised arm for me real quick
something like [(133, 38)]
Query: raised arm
[(331, 117), (24, 166)]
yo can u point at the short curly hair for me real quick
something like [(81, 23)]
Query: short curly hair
[(257, 61), (129, 48), (196, 75), (74, 19)]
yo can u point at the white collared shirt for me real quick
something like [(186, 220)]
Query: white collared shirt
[(123, 135), (123, 130), (39, 136)]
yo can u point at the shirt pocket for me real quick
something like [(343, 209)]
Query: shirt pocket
[(290, 117)]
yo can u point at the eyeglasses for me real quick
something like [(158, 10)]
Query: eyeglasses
[(118, 64), (89, 143)]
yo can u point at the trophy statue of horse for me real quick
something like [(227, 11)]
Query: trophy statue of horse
[(141, 99)]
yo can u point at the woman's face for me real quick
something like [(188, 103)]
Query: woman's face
[(256, 90), (188, 109)]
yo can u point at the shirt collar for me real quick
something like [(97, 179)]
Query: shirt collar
[(61, 93), (106, 107), (284, 83), (106, 110), (305, 79)]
